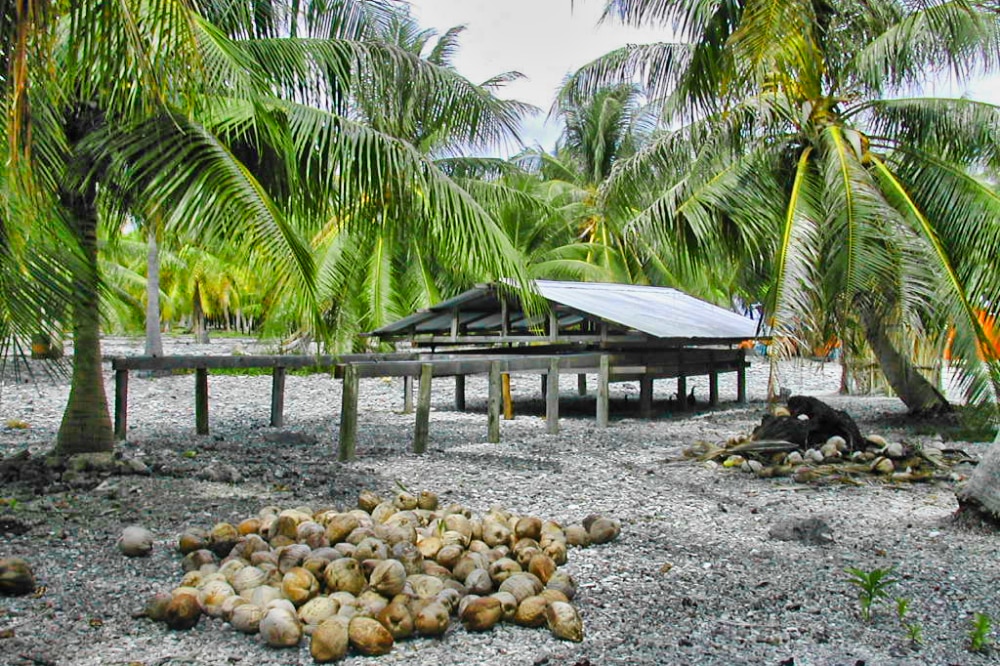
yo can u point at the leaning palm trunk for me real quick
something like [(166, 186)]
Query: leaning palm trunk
[(982, 491), (86, 424), (918, 394)]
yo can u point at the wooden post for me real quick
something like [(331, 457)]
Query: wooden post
[(423, 408), (348, 414), (201, 401), (713, 386), (581, 384), (646, 396), (121, 403), (553, 325), (602, 391), (460, 393), (682, 393), (407, 395), (277, 397), (508, 400), (552, 397), (504, 317), (545, 384), (741, 377), (493, 405)]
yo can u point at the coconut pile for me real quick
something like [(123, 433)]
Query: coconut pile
[(369, 577), (807, 455)]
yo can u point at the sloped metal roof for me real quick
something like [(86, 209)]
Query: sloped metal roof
[(660, 312)]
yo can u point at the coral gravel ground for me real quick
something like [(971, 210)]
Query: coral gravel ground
[(695, 578)]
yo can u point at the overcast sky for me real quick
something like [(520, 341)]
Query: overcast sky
[(547, 39)]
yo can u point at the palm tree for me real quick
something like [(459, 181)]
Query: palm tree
[(149, 109), (392, 262), (798, 151), (599, 130)]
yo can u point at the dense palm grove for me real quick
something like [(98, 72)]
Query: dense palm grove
[(311, 170)]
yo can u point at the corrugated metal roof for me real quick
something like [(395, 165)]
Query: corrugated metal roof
[(660, 312)]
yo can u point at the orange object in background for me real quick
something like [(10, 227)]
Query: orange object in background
[(989, 324)]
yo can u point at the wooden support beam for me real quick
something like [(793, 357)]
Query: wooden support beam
[(407, 395), (422, 429), (201, 401), (646, 396), (121, 403), (741, 379), (682, 393), (604, 373), (552, 397), (277, 397), (460, 393), (493, 404), (713, 387), (581, 384), (504, 317), (348, 415), (553, 325), (508, 400)]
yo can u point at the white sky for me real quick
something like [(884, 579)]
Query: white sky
[(547, 39)]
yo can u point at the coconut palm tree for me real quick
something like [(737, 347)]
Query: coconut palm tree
[(151, 109), (392, 263), (799, 149)]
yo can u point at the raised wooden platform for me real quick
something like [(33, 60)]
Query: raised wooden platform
[(549, 362)]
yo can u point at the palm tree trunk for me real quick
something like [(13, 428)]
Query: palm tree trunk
[(154, 340), (982, 491), (198, 317), (86, 424), (918, 394)]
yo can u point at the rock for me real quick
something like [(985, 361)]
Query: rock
[(92, 462), (135, 541), (16, 577), (806, 530), (220, 473), (290, 437)]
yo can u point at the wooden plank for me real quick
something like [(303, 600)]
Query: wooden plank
[(581, 384), (646, 396), (407, 395), (471, 365), (604, 373), (552, 397), (460, 393), (239, 362), (277, 397), (508, 400), (201, 401), (121, 403), (493, 405), (422, 429), (348, 415)]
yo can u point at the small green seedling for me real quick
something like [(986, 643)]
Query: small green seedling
[(979, 636), (190, 453), (873, 586), (914, 631)]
